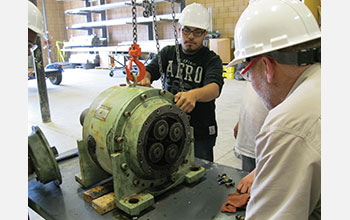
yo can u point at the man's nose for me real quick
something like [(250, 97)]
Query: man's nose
[(191, 36)]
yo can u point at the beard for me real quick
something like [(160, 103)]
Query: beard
[(262, 88), (265, 98), (190, 49)]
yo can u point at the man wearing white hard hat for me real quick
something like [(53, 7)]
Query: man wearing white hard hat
[(200, 73), (279, 42), (35, 26)]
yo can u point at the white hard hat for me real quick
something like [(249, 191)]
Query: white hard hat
[(269, 25), (35, 20), (195, 15)]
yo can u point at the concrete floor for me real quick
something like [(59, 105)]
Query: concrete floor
[(80, 87)]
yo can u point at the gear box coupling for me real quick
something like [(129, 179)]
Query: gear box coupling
[(137, 135)]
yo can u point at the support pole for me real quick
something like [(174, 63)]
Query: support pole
[(41, 82), (182, 4), (103, 18), (149, 29), (88, 16), (47, 34)]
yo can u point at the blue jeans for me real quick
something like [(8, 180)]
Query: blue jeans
[(203, 148)]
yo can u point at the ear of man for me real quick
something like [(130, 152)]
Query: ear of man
[(270, 68)]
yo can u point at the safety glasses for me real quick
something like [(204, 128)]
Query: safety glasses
[(196, 32), (247, 65)]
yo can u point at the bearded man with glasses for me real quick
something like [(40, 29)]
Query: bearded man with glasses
[(199, 80)]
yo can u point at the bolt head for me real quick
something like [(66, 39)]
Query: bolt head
[(127, 114), (124, 166)]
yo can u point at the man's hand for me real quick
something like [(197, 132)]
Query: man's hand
[(235, 131), (245, 185), (146, 81), (186, 100)]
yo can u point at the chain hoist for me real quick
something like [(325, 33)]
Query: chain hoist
[(177, 50), (135, 51), (134, 23), (156, 36), (176, 46)]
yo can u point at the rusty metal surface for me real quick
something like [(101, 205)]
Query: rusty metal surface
[(201, 200)]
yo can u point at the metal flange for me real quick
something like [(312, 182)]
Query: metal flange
[(43, 157)]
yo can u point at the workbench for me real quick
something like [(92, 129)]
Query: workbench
[(202, 200)]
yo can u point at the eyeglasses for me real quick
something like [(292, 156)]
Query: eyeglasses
[(247, 65), (32, 46), (196, 32)]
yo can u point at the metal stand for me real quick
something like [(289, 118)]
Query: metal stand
[(41, 81)]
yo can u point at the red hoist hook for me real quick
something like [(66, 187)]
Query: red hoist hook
[(134, 52)]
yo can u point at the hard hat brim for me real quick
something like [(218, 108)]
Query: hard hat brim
[(234, 62), (39, 32)]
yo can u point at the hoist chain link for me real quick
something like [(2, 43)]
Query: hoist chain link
[(134, 24), (177, 50), (156, 36), (147, 6)]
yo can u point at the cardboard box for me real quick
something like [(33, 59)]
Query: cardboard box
[(223, 48)]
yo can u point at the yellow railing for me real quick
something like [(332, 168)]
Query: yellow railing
[(60, 55)]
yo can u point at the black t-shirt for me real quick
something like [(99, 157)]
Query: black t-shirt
[(197, 70)]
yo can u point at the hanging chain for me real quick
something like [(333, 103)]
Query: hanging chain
[(135, 52), (177, 48), (156, 36), (147, 6), (134, 24)]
